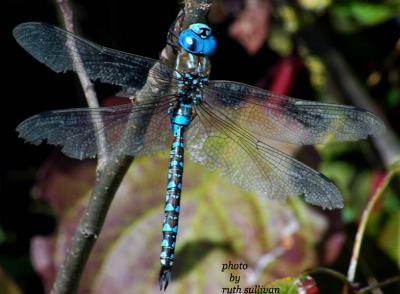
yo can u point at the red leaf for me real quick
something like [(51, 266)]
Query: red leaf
[(62, 180), (284, 74), (250, 29), (377, 180), (333, 246), (43, 262)]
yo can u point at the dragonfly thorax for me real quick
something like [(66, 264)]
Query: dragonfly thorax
[(190, 87), (191, 76)]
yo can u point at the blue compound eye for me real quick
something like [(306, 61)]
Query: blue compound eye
[(198, 39), (190, 43)]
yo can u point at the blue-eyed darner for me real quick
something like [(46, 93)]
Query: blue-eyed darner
[(221, 121)]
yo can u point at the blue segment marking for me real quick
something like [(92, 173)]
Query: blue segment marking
[(177, 144), (169, 207), (176, 163), (167, 228), (181, 120)]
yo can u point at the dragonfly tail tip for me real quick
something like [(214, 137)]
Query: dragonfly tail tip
[(165, 277)]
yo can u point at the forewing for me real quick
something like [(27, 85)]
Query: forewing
[(86, 132), (63, 51), (290, 120), (213, 140)]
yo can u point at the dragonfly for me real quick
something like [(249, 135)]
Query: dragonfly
[(222, 124)]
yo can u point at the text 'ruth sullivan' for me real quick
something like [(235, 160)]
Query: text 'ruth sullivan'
[(235, 279)]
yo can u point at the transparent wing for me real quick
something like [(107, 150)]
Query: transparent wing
[(213, 140), (290, 120), (63, 51), (126, 129)]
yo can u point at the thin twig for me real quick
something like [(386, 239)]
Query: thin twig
[(330, 272), (363, 222), (348, 283), (108, 177), (86, 83), (382, 284)]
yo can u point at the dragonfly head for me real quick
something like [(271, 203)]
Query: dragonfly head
[(198, 39)]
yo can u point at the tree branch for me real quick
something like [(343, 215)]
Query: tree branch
[(90, 225)]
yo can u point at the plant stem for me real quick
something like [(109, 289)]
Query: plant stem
[(380, 284), (330, 272), (363, 222), (87, 85)]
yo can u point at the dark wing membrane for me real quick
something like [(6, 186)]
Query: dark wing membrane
[(63, 51), (290, 120), (86, 132), (213, 140)]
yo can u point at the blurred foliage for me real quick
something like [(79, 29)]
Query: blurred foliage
[(7, 285), (351, 16), (316, 5), (389, 237), (2, 235), (219, 223), (393, 97), (300, 284)]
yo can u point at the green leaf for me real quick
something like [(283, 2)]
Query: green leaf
[(317, 5), (341, 172), (289, 285), (331, 151), (393, 97), (351, 16), (279, 40)]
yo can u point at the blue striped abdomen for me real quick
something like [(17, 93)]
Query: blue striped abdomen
[(180, 120)]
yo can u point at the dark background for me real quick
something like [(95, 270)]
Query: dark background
[(28, 87)]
